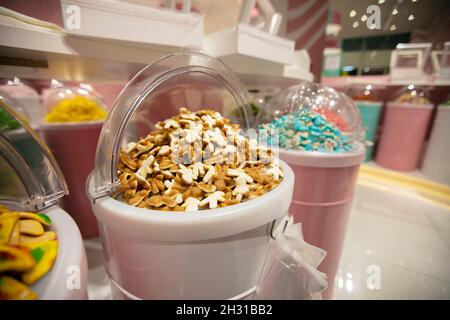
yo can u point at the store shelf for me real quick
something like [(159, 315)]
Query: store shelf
[(24, 72), (72, 57), (76, 58), (260, 59), (378, 81)]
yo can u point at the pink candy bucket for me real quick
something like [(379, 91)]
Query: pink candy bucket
[(323, 194), (401, 144), (74, 146)]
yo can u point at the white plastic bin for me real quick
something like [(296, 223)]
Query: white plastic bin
[(31, 180), (207, 254), (213, 254), (67, 279), (435, 164)]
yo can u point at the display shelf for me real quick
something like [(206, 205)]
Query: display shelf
[(378, 81), (260, 59), (10, 72), (75, 58), (72, 57)]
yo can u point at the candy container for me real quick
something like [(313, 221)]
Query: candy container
[(71, 127), (404, 128), (369, 104), (435, 162), (318, 132), (41, 250), (184, 211), (26, 96)]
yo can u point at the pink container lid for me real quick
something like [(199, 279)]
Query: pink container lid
[(323, 159)]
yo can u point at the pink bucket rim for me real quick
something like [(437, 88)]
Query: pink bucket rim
[(323, 159), (324, 204), (409, 106), (71, 125)]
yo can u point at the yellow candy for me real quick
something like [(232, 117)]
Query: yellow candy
[(15, 259), (14, 239), (77, 109), (45, 256), (11, 289), (30, 227), (8, 221), (42, 218), (32, 242)]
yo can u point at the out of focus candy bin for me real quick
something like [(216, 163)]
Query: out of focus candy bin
[(318, 131), (435, 163), (42, 241), (404, 128), (26, 96), (71, 128), (369, 104), (167, 228)]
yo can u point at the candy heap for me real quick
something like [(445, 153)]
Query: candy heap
[(195, 160), (414, 97), (7, 122), (306, 130), (77, 109), (27, 252)]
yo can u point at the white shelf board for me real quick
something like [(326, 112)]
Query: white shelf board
[(9, 72), (76, 58), (259, 59), (379, 81), (244, 41)]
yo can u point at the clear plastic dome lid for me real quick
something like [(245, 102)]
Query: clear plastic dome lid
[(16, 88), (30, 178), (188, 79), (363, 93), (311, 117), (73, 105), (412, 95)]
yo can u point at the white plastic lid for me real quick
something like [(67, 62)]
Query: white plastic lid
[(338, 115), (30, 178), (189, 79)]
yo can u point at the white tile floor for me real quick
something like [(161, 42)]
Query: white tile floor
[(405, 238), (396, 241)]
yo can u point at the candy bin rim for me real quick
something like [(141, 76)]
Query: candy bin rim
[(166, 224)]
